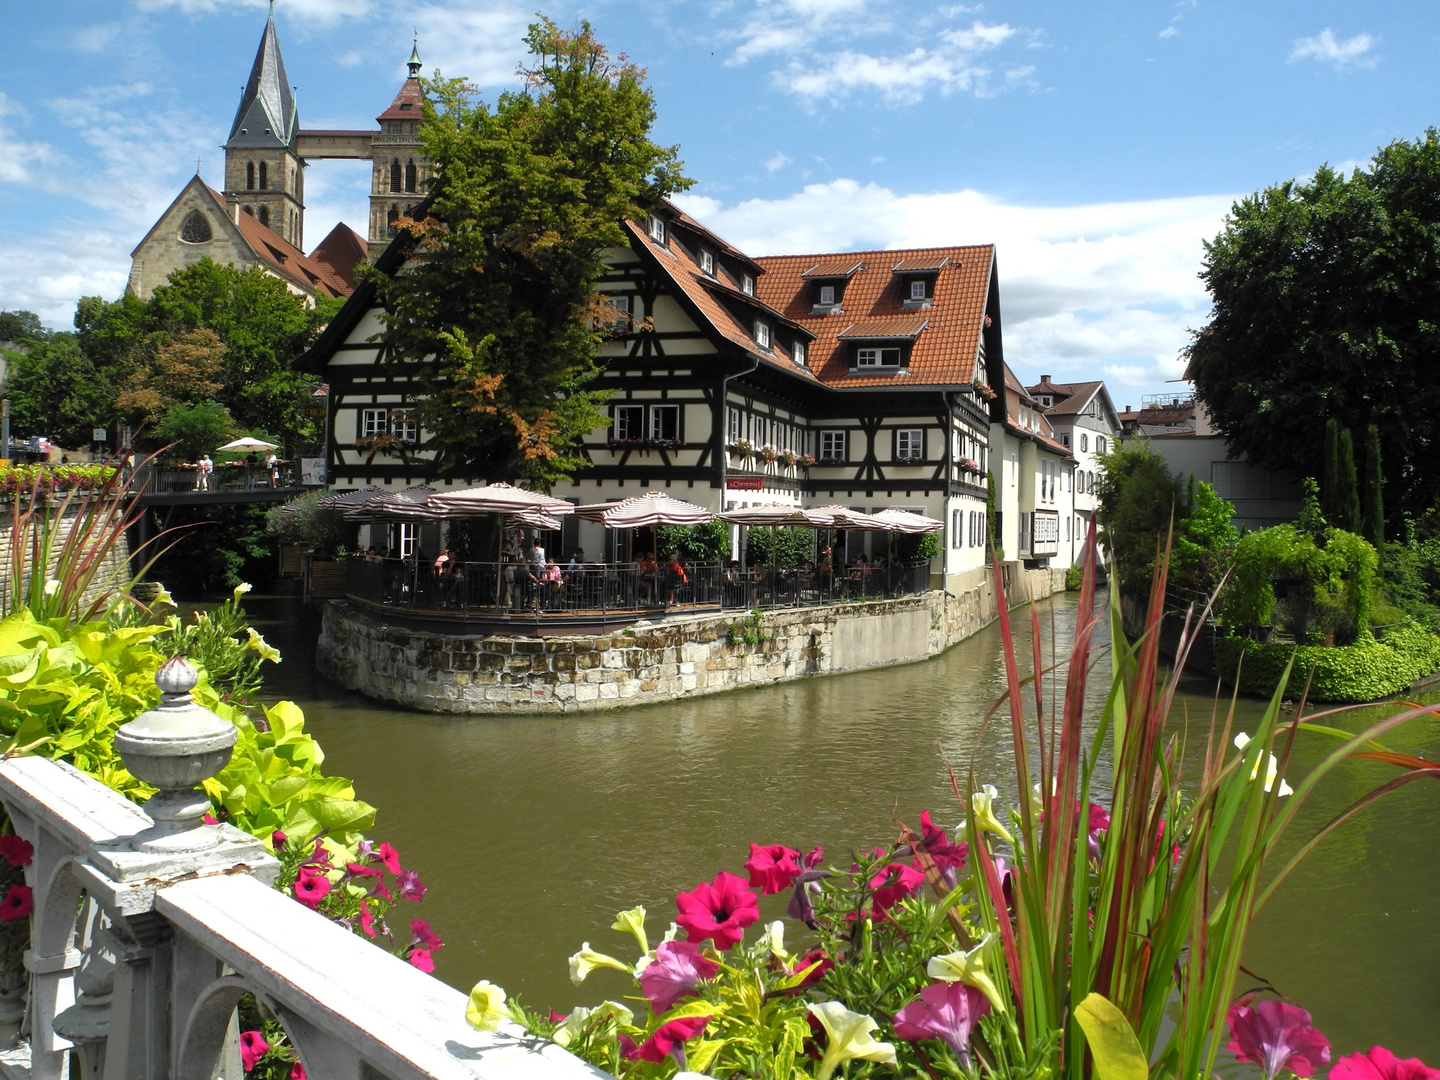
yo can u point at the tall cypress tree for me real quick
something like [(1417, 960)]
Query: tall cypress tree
[(1374, 524), (1330, 481), (1349, 488)]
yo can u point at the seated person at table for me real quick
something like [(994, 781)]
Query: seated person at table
[(674, 575)]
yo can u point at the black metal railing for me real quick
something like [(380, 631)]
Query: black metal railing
[(603, 589)]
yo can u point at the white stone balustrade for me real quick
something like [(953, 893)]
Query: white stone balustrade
[(161, 946)]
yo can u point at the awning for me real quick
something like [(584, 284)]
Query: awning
[(640, 511)]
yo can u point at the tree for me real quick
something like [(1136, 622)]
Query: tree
[(1374, 523), (56, 390), (1332, 501), (1349, 494), (21, 326), (1139, 502), (195, 429), (179, 372), (1325, 295), (496, 315)]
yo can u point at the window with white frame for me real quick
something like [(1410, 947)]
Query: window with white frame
[(762, 334), (917, 290), (832, 445), (618, 317), (827, 294), (877, 357), (409, 538), (1084, 442), (665, 422), (1099, 444), (758, 430), (747, 284), (374, 422), (910, 444), (403, 426), (629, 422), (733, 428), (656, 229), (707, 263), (799, 353), (957, 529)]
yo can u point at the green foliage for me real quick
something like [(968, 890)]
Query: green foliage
[(1336, 582), (919, 548), (195, 429), (531, 191), (50, 480), (709, 542), (1364, 671), (21, 326), (1348, 498), (1073, 577), (790, 549), (749, 630), (1325, 295), (1373, 527), (323, 529), (217, 548), (1139, 501), (225, 645), (1334, 481), (1204, 539), (990, 544), (55, 389)]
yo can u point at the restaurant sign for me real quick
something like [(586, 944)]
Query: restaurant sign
[(744, 483)]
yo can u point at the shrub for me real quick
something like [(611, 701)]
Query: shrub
[(304, 521), (1364, 671), (709, 542), (790, 548), (1073, 577), (1337, 579)]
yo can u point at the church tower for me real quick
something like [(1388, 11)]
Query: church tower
[(264, 174), (399, 174)]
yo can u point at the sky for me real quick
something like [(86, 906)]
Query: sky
[(1097, 145)]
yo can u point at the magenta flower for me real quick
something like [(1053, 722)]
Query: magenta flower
[(253, 1047), (367, 920), (1381, 1064), (360, 870), (772, 868), (669, 1039), (311, 887), (943, 1011), (675, 972), (1276, 1035), (208, 818), (420, 958), (894, 883), (411, 887), (365, 849), (16, 850), (321, 857), (424, 935), (719, 909), (819, 960), (1099, 817), (390, 857), (18, 903), (297, 1071), (278, 840)]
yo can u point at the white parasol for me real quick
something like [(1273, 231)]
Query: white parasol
[(904, 521), (247, 443), (640, 511)]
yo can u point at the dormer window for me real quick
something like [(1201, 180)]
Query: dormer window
[(747, 284), (877, 357), (917, 290), (707, 263), (798, 353), (656, 228), (827, 294), (762, 334)]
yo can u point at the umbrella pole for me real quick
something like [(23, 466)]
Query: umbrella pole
[(499, 558)]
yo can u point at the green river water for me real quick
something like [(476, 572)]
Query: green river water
[(531, 832)]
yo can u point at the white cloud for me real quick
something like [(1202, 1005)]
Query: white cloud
[(47, 274), (1084, 289), (778, 161), (1326, 48), (1170, 31), (34, 164), (95, 39), (481, 44)]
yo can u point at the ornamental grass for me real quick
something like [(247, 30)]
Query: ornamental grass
[(1069, 928)]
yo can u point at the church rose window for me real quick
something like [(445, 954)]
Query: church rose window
[(196, 229)]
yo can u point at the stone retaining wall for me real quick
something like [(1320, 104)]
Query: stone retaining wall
[(649, 662)]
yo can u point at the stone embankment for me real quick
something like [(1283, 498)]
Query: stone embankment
[(649, 662)]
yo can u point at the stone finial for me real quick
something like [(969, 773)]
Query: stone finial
[(175, 746)]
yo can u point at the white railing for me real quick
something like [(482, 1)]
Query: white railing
[(138, 959)]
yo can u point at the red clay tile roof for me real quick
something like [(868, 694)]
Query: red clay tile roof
[(341, 252), (679, 217), (919, 265), (887, 326), (406, 105), (284, 258), (834, 268), (944, 352), (1075, 396)]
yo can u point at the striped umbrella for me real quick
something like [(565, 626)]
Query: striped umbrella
[(639, 511)]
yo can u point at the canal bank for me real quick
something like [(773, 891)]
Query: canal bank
[(651, 662)]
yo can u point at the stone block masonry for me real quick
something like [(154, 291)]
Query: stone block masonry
[(649, 662)]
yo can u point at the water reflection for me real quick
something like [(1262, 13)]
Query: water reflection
[(533, 832)]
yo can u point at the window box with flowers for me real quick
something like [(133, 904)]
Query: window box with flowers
[(805, 460), (970, 465), (643, 444), (983, 390), (769, 454), (742, 448), (789, 458)]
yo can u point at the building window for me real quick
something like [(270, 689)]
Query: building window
[(196, 229), (1099, 444), (656, 229), (1065, 438), (250, 210), (391, 216), (957, 530), (1084, 442), (877, 357), (762, 334), (615, 314), (733, 429), (758, 430), (395, 175), (747, 284), (665, 422), (250, 176), (832, 446), (827, 294), (917, 290), (264, 179), (409, 538), (629, 423), (374, 422), (799, 353), (910, 444), (265, 216), (404, 427), (410, 176), (707, 263)]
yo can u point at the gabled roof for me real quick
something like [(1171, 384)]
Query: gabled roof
[(920, 265), (285, 259), (834, 268), (946, 335), (1073, 397), (267, 116), (719, 243), (341, 253), (406, 105)]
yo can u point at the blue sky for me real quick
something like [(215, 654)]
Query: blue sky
[(1096, 145)]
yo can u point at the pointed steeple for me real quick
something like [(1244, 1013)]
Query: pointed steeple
[(267, 116), (414, 62)]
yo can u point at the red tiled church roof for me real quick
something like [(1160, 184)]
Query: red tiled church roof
[(406, 105), (284, 258)]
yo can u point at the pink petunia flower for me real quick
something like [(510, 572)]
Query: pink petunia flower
[(822, 963), (367, 920), (411, 887), (1276, 1035), (717, 910), (278, 840), (311, 887), (253, 1047), (421, 959), (945, 1011), (16, 850), (297, 1071), (209, 818), (675, 972), (1381, 1064), (18, 903), (772, 868), (669, 1040), (321, 856), (390, 857), (424, 935), (894, 883)]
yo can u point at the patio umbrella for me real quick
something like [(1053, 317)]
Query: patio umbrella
[(531, 507), (769, 514), (895, 520), (346, 499), (248, 443), (652, 508)]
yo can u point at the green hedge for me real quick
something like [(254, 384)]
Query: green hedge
[(1364, 671)]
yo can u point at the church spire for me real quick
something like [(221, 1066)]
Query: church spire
[(414, 62), (267, 116)]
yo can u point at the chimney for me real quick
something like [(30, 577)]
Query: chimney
[(1045, 379)]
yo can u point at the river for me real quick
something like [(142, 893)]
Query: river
[(532, 832)]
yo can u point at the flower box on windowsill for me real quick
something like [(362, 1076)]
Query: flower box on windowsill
[(910, 459), (830, 461), (643, 444)]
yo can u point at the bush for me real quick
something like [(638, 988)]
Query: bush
[(195, 429), (1073, 577), (791, 548), (304, 521), (1365, 671), (709, 542), (1337, 581)]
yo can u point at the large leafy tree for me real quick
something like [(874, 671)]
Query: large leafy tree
[(57, 389), (1327, 306), (495, 310)]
